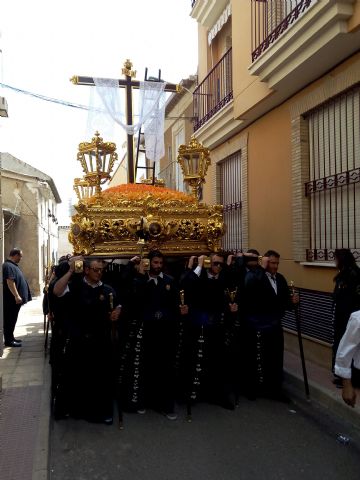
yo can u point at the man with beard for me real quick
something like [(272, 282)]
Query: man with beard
[(267, 297), (156, 306), (87, 389)]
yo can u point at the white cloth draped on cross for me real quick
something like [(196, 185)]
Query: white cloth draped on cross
[(107, 104)]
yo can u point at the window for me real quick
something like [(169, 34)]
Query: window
[(230, 198), (334, 186)]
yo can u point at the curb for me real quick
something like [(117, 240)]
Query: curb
[(325, 398), (41, 456)]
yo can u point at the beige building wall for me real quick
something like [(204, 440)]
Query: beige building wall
[(27, 225), (272, 135), (178, 124)]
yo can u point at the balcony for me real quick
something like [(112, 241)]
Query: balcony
[(271, 19), (296, 41), (193, 3), (213, 104), (214, 92)]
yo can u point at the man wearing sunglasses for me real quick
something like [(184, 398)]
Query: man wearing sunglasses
[(87, 357), (209, 308)]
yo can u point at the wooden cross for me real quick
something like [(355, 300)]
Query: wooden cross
[(129, 84)]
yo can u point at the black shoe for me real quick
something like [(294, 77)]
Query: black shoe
[(17, 340), (13, 343)]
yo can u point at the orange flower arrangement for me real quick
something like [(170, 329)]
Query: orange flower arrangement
[(133, 192)]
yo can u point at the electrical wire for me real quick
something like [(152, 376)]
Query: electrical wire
[(57, 100), (45, 98)]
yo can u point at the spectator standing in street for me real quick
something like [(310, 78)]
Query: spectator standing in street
[(16, 293), (347, 365), (346, 296)]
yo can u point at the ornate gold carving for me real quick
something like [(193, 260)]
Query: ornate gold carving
[(159, 182), (127, 69), (194, 160), (110, 223), (174, 227), (97, 160), (74, 79)]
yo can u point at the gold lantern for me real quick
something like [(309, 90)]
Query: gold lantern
[(194, 160), (83, 189), (97, 159)]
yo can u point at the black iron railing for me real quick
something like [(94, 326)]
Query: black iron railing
[(270, 19), (193, 3), (214, 92), (315, 310), (333, 189), (230, 198)]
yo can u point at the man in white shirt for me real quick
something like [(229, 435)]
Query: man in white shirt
[(347, 364)]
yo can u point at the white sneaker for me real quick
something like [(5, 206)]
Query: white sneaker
[(141, 411)]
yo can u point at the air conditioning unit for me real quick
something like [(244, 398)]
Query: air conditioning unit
[(3, 107)]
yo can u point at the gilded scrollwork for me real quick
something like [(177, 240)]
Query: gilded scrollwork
[(111, 226)]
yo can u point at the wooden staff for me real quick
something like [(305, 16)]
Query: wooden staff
[(301, 347)]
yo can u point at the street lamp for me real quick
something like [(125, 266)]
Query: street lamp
[(97, 159), (194, 160)]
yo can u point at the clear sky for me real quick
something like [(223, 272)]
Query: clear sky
[(44, 43)]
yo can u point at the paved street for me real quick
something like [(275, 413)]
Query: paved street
[(261, 440), (24, 401)]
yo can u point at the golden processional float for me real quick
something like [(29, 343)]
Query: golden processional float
[(113, 222), (121, 221)]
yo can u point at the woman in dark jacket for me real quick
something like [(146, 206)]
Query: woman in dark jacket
[(346, 294)]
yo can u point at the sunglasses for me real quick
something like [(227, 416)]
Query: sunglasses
[(218, 264)]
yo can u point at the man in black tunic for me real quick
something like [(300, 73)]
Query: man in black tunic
[(155, 305), (87, 390), (16, 293), (210, 332), (267, 297)]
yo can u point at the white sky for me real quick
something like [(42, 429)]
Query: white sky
[(45, 42)]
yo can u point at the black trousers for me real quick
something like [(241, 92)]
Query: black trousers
[(11, 312), (262, 360)]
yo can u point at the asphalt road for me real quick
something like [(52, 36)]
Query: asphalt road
[(261, 440)]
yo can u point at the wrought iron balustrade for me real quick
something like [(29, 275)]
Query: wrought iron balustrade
[(214, 92), (270, 19), (193, 3)]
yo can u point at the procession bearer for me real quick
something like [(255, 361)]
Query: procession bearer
[(87, 389), (156, 306)]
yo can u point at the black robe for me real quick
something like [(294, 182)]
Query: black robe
[(210, 334), (85, 386), (150, 365), (262, 333)]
